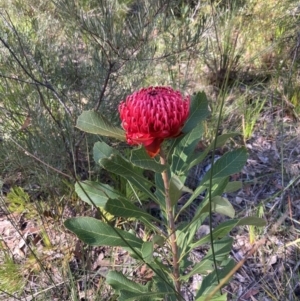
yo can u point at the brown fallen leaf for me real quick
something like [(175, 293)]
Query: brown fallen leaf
[(146, 273)]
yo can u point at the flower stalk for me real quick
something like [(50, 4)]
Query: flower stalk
[(171, 226)]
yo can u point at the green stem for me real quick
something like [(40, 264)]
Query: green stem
[(171, 224)]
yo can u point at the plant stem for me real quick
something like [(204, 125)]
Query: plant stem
[(171, 225)]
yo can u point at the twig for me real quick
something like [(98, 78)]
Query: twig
[(100, 98), (46, 85), (96, 107), (39, 160)]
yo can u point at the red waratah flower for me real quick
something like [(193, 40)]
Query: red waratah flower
[(153, 114)]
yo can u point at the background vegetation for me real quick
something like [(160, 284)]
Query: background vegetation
[(58, 58)]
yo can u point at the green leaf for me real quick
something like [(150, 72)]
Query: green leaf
[(199, 157), (252, 221), (223, 206), (96, 233), (124, 208), (119, 282), (164, 285), (230, 163), (148, 296), (186, 235), (140, 158), (198, 111), (118, 165), (185, 148), (175, 189), (147, 251), (222, 249), (159, 192), (99, 193), (222, 139), (225, 228), (130, 290), (158, 240), (216, 189), (93, 122), (211, 280), (193, 196), (102, 150), (233, 186), (203, 210)]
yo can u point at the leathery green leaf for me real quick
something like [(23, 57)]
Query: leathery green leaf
[(140, 158), (119, 282), (147, 251), (223, 206), (102, 150), (95, 123), (199, 157), (211, 280), (222, 249), (233, 186), (225, 228), (230, 163), (95, 193), (97, 233), (118, 165), (125, 208), (175, 190), (198, 111), (185, 148)]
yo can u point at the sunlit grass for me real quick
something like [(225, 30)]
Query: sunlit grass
[(12, 278)]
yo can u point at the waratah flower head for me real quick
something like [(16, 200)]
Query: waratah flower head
[(153, 114)]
